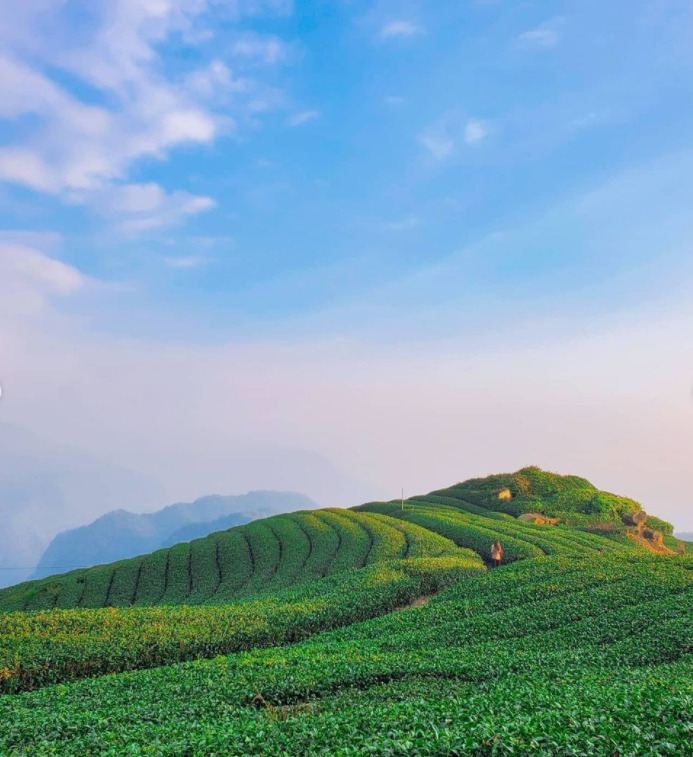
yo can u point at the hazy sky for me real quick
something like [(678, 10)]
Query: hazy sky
[(423, 241)]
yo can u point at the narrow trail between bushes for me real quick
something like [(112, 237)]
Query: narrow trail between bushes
[(417, 602)]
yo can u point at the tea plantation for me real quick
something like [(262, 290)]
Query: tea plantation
[(257, 559), (376, 631)]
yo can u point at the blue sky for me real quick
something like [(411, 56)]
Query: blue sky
[(454, 186)]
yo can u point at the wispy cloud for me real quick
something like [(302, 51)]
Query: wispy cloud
[(393, 100), (42, 240), (438, 145), (546, 35), (404, 224), (263, 48), (29, 278), (400, 28), (82, 146), (77, 147), (474, 131), (444, 137), (303, 117), (143, 207), (189, 261)]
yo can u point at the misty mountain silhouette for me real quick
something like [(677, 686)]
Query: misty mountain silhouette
[(121, 534)]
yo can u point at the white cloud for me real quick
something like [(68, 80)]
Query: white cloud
[(216, 82), (445, 137), (303, 117), (75, 148), (539, 38), (400, 28), (474, 131), (188, 261), (82, 146), (264, 48), (29, 279), (546, 35), (42, 240), (393, 100), (142, 207), (438, 144)]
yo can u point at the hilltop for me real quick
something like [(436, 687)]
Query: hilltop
[(532, 489)]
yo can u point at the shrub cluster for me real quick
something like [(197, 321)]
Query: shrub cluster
[(544, 657), (38, 648)]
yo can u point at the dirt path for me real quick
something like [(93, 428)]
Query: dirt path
[(418, 602), (658, 549)]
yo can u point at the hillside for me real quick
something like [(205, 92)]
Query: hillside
[(278, 552), (259, 558), (373, 631), (121, 534), (543, 657)]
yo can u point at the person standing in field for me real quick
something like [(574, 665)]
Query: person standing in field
[(496, 554)]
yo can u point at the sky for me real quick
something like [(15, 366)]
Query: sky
[(348, 247)]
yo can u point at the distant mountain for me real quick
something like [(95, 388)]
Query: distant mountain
[(685, 536), (197, 530), (121, 534), (46, 488)]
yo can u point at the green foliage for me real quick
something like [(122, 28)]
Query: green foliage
[(478, 532), (546, 657), (580, 644), (535, 490), (61, 645), (257, 559), (660, 525)]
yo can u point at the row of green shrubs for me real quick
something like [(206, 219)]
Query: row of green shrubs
[(541, 658), (54, 646), (256, 559)]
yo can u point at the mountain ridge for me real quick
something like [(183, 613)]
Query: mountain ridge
[(121, 534)]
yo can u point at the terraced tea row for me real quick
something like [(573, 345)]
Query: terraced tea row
[(544, 657), (53, 646), (247, 561), (478, 530), (276, 553)]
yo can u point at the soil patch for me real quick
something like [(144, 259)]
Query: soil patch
[(418, 602)]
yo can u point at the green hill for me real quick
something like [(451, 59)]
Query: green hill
[(275, 553), (376, 631), (532, 489), (256, 559)]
